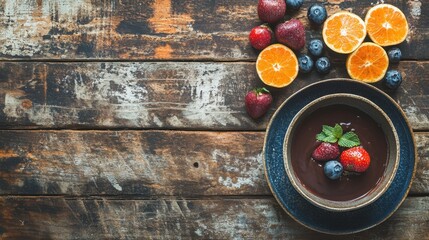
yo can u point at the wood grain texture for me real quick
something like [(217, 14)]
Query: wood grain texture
[(66, 64), (148, 163), (63, 218), (161, 29), (421, 180), (163, 95)]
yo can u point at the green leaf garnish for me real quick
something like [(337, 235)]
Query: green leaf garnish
[(338, 131), (334, 134), (330, 139), (328, 130), (349, 139), (321, 136)]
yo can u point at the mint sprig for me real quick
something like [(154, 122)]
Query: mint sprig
[(335, 133), (349, 139)]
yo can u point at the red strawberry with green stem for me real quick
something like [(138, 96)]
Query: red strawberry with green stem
[(355, 159), (257, 102), (332, 138)]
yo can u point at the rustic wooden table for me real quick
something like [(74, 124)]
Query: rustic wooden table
[(125, 120)]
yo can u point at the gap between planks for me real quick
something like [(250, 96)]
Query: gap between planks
[(77, 129), (207, 60), (133, 197), (10, 129), (202, 60)]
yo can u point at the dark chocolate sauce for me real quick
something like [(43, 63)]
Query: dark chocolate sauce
[(350, 185)]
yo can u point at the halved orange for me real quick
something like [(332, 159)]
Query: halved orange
[(386, 25), (368, 63), (277, 65), (343, 32)]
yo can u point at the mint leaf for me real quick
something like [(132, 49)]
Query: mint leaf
[(328, 130), (349, 139), (338, 131), (321, 136), (330, 139), (334, 134), (329, 134)]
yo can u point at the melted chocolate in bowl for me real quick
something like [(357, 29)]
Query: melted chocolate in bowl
[(351, 185)]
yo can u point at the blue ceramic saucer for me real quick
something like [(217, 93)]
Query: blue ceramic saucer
[(317, 218)]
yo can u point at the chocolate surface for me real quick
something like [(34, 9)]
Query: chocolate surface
[(350, 185)]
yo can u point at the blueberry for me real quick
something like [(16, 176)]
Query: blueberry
[(394, 55), (305, 63), (294, 4), (317, 14), (315, 47), (323, 65), (392, 79), (333, 169)]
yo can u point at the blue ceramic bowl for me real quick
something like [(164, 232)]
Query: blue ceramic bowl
[(379, 116), (317, 218)]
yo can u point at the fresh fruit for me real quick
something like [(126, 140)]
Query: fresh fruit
[(323, 65), (355, 159), (333, 169), (317, 14), (294, 4), (343, 32), (393, 79), (291, 33), (368, 63), (395, 55), (335, 134), (326, 151), (277, 65), (257, 102), (271, 11), (386, 25), (305, 63), (315, 47), (261, 37)]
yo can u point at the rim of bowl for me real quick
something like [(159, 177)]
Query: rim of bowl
[(339, 206)]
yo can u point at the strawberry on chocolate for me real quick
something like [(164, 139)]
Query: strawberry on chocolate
[(291, 33), (258, 101), (355, 159), (261, 37), (271, 11), (326, 151)]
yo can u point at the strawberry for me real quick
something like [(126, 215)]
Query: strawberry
[(291, 33), (326, 151), (258, 101), (355, 159), (271, 11), (261, 37)]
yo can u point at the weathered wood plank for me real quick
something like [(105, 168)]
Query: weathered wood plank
[(62, 218), (149, 163), (162, 95), (130, 162), (160, 29), (421, 180)]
